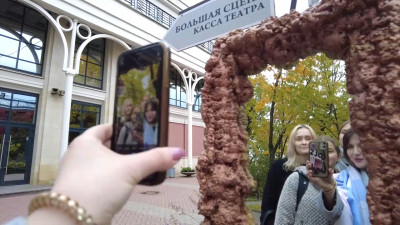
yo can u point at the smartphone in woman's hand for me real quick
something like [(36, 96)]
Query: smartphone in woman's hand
[(140, 118), (319, 158)]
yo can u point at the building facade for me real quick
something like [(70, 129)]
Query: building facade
[(34, 71)]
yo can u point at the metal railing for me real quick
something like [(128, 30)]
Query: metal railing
[(160, 16)]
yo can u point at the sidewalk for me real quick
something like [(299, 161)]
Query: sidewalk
[(172, 203)]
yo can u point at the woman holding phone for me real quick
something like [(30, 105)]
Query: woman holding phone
[(280, 170), (295, 209), (351, 184)]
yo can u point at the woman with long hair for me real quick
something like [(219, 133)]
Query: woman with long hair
[(350, 184), (126, 111), (294, 208), (280, 170), (342, 164), (150, 123), (130, 137)]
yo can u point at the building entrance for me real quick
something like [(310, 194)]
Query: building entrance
[(17, 130)]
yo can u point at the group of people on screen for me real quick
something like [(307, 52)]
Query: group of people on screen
[(292, 195), (138, 125)]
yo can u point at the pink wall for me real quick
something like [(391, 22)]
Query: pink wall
[(177, 137)]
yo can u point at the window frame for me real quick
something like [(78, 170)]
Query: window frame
[(174, 81), (14, 92), (173, 85), (86, 51), (21, 41), (197, 97), (82, 129)]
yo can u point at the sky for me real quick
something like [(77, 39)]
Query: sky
[(281, 6)]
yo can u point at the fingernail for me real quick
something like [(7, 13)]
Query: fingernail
[(177, 153)]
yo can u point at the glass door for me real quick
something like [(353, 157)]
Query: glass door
[(16, 154), (17, 126)]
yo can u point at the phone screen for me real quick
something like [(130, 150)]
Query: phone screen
[(141, 111)]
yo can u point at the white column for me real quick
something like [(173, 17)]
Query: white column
[(68, 92), (66, 113), (190, 147), (190, 80)]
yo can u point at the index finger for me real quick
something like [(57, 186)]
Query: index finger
[(308, 165), (102, 132)]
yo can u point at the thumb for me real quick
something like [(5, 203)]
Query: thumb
[(158, 159)]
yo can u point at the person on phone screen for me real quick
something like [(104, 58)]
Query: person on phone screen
[(130, 135), (294, 209), (350, 184), (299, 138), (342, 164), (101, 195), (127, 107), (150, 123)]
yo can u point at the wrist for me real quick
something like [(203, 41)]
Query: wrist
[(331, 189), (50, 216), (58, 205), (92, 207)]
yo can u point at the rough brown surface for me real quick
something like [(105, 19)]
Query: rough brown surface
[(364, 33)]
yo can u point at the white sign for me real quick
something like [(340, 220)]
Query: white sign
[(215, 18)]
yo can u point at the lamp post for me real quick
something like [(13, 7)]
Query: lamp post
[(190, 79), (68, 60)]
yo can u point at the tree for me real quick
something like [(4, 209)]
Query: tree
[(139, 83), (312, 92)]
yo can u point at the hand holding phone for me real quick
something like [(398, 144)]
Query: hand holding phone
[(319, 158), (141, 102)]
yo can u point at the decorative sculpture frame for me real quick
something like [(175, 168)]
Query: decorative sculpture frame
[(363, 33)]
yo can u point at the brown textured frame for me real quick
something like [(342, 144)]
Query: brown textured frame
[(363, 33)]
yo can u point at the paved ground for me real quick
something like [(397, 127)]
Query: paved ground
[(173, 202)]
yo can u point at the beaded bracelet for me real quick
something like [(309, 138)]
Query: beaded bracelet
[(61, 202)]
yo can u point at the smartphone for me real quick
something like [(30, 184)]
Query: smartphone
[(319, 158), (141, 107)]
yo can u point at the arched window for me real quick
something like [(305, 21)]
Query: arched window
[(177, 92), (197, 96), (22, 37), (91, 62)]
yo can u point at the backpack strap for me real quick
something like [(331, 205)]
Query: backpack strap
[(302, 188), (269, 217)]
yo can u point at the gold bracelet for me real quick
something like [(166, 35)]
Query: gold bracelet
[(334, 187), (61, 202)]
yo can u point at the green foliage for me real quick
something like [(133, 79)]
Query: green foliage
[(252, 199), (255, 207), (313, 92), (133, 84), (14, 150), (16, 167), (187, 169)]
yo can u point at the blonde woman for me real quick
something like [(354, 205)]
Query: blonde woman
[(299, 138), (126, 110), (302, 209), (297, 152)]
